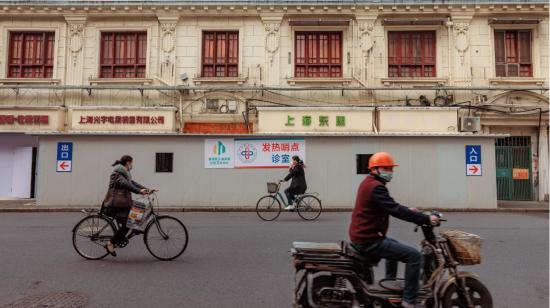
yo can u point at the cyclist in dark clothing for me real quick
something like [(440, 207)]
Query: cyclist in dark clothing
[(370, 222), (118, 200), (298, 185)]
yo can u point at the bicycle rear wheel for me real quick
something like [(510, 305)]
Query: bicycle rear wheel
[(309, 207), (268, 208), (91, 234), (166, 237)]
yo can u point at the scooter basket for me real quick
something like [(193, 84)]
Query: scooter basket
[(466, 247), (272, 187)]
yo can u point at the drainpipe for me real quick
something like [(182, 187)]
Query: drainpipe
[(538, 155)]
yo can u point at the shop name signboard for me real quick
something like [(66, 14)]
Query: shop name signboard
[(315, 119), (31, 118), (122, 119), (28, 119), (104, 119), (307, 121), (252, 153)]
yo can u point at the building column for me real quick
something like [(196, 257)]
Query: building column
[(75, 57), (272, 27), (167, 54), (460, 62), (365, 40)]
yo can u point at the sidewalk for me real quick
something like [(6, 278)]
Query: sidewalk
[(29, 206)]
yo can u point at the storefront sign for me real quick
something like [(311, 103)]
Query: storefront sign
[(23, 119), (64, 157), (128, 120), (318, 119), (473, 160), (520, 174), (219, 153), (122, 119), (268, 153)]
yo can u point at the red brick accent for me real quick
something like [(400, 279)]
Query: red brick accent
[(216, 128)]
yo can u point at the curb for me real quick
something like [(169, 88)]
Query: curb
[(250, 209)]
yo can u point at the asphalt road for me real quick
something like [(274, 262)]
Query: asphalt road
[(236, 260)]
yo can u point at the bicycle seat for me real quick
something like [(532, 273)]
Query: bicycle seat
[(316, 247), (350, 251)]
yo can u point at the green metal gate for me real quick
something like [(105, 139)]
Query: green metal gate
[(514, 170)]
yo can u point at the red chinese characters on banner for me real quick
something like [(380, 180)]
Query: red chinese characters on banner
[(7, 119), (126, 120), (280, 147)]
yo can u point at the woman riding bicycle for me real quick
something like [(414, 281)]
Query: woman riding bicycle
[(298, 185), (118, 200)]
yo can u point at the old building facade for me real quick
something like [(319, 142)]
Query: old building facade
[(216, 64)]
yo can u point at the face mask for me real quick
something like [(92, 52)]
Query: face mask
[(130, 167), (386, 175)]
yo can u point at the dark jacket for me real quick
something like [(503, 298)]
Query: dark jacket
[(121, 187), (298, 176), (373, 206)]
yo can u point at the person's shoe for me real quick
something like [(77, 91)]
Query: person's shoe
[(290, 207), (111, 249)]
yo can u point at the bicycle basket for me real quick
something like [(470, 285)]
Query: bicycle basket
[(272, 187), (466, 247)]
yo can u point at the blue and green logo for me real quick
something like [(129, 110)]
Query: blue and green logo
[(219, 148)]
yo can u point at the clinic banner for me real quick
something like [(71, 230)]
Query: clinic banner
[(268, 153)]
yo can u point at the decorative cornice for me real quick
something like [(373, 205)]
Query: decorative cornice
[(99, 8)]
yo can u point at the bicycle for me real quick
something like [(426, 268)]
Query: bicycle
[(268, 207), (165, 236)]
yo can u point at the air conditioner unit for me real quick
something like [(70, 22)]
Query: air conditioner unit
[(470, 124)]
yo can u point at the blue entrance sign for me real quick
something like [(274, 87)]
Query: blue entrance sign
[(64, 157), (473, 160)]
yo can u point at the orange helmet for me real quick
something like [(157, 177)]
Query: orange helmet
[(381, 159)]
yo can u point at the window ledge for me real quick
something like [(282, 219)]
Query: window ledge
[(343, 81), (517, 80), (237, 80), (120, 81), (390, 81), (29, 81)]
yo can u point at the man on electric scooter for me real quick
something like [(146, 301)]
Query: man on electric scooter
[(370, 221)]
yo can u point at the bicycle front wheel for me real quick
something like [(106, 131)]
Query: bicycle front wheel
[(309, 207), (268, 208), (166, 237), (91, 234)]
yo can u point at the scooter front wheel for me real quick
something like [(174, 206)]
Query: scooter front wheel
[(480, 295)]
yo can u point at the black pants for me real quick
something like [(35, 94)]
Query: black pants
[(291, 194), (120, 215)]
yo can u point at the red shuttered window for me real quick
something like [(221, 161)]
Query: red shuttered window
[(513, 53), (220, 54), (411, 54), (318, 54), (31, 54), (123, 54)]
